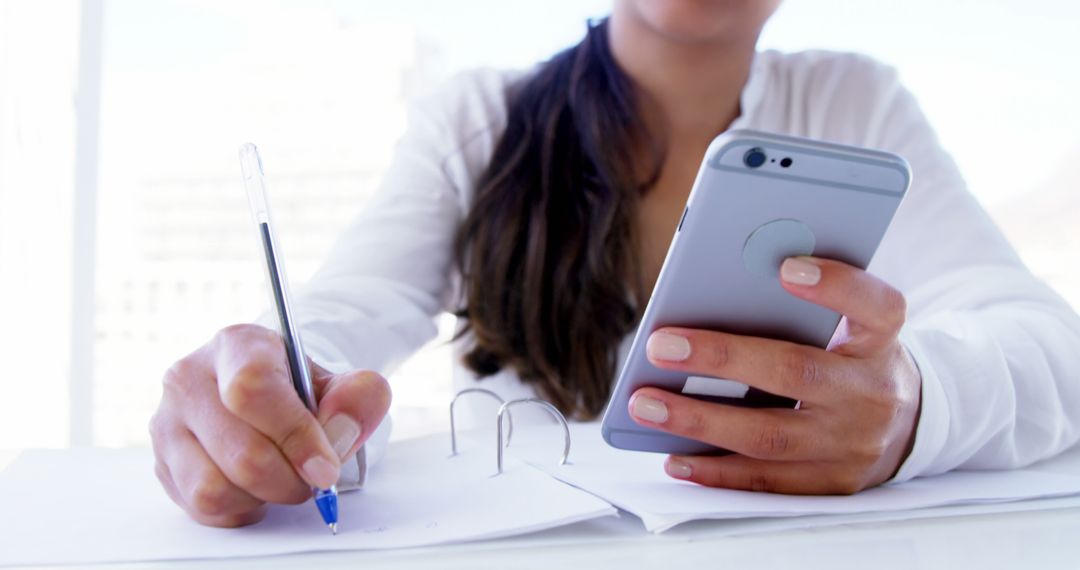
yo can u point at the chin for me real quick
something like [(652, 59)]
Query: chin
[(703, 20)]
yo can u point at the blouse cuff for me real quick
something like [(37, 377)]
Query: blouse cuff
[(933, 426)]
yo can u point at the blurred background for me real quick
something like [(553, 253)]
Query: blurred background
[(125, 240)]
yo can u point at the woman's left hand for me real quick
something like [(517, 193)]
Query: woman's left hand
[(859, 398)]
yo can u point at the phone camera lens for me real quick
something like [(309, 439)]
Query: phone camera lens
[(754, 157)]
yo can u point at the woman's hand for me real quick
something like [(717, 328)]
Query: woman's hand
[(231, 434), (859, 399)]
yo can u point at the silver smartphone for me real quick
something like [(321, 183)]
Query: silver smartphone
[(758, 199)]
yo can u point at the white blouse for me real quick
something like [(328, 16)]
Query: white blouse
[(998, 350)]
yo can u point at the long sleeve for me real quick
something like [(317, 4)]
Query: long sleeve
[(998, 350), (372, 302)]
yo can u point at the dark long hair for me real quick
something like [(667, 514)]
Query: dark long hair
[(549, 252)]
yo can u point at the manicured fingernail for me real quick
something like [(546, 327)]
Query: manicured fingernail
[(342, 432), (649, 410), (800, 271), (678, 469), (320, 472), (666, 346)]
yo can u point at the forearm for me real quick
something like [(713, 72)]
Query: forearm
[(1001, 374), (361, 323)]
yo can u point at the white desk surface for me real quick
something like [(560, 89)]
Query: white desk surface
[(961, 538)]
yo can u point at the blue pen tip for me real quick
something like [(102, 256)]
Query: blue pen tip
[(326, 500)]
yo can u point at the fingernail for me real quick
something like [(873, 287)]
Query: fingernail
[(649, 410), (320, 472), (800, 271), (342, 432), (666, 346), (678, 469)]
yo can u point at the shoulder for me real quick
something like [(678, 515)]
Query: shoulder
[(819, 68), (468, 107), (839, 96), (462, 119)]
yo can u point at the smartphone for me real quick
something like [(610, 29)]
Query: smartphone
[(758, 199)]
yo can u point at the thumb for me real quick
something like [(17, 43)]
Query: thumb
[(351, 406)]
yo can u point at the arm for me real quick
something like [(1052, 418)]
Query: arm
[(230, 435), (995, 346), (372, 302), (978, 374)]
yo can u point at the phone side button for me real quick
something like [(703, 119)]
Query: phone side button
[(682, 219)]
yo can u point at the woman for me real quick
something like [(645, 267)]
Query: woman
[(539, 206)]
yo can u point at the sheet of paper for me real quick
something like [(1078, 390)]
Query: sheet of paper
[(87, 505), (636, 482)]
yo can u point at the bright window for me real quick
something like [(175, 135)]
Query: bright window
[(37, 174), (323, 87)]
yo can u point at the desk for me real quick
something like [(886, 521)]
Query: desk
[(960, 538)]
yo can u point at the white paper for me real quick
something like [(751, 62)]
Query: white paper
[(87, 505), (636, 482)]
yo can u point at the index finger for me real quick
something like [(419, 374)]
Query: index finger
[(254, 382), (875, 311)]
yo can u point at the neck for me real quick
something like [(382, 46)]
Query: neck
[(689, 90)]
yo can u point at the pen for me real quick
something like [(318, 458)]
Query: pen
[(251, 167)]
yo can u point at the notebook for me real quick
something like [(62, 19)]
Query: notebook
[(106, 505)]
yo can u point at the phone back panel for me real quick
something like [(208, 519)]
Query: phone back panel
[(721, 271)]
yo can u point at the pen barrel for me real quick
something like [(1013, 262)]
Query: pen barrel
[(290, 337), (254, 183), (259, 202)]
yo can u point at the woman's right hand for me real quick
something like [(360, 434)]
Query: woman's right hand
[(231, 435)]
